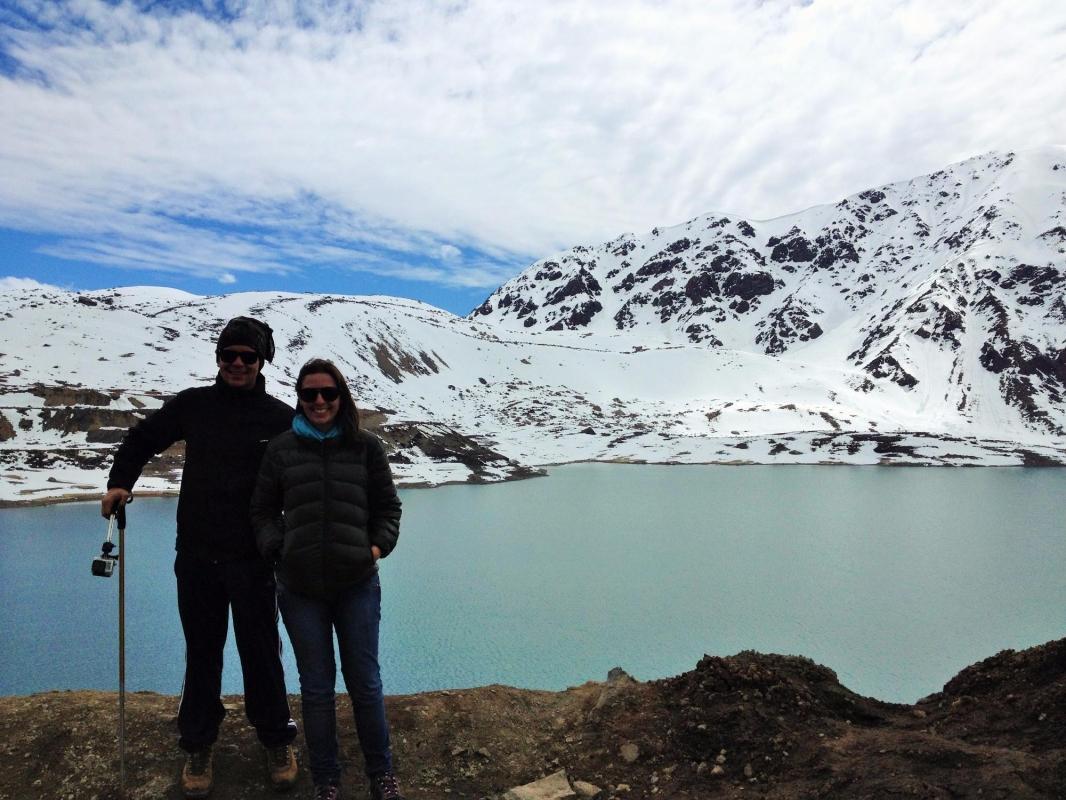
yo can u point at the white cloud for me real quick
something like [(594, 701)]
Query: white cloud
[(450, 252), (371, 136), (12, 283)]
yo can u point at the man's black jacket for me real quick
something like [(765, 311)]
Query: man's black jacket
[(226, 432)]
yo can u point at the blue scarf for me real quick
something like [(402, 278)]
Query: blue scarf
[(302, 427)]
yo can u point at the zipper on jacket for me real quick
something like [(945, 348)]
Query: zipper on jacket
[(326, 579)]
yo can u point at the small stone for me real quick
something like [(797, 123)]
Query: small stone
[(918, 713), (718, 772), (553, 787), (622, 787), (630, 752), (719, 759), (586, 790), (748, 771), (701, 768)]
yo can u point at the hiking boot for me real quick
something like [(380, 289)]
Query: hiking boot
[(281, 762), (384, 787), (327, 792), (196, 775)]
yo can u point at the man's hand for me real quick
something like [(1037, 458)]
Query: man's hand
[(375, 551), (113, 500)]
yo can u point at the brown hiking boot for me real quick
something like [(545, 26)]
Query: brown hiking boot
[(197, 776), (281, 762)]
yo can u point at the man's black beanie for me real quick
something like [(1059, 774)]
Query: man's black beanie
[(249, 332)]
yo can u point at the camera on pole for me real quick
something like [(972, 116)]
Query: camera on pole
[(104, 564)]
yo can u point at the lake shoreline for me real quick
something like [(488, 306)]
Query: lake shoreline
[(1030, 460)]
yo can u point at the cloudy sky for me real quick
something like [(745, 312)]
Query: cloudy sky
[(434, 149)]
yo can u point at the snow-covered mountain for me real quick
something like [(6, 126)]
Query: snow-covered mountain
[(949, 285), (921, 322)]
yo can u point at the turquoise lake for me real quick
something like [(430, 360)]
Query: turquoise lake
[(894, 577)]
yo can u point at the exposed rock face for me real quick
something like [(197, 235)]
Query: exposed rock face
[(7, 430), (88, 420), (441, 443), (71, 395), (743, 726)]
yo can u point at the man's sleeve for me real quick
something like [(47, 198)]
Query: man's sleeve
[(266, 507), (384, 501), (147, 438)]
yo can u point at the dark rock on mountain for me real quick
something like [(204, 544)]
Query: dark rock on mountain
[(7, 430), (580, 316), (700, 287), (70, 396), (442, 443), (796, 248), (748, 286), (886, 366), (69, 420), (789, 323), (581, 284)]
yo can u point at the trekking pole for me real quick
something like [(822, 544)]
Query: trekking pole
[(104, 566), (121, 519)]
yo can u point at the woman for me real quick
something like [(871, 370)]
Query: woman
[(325, 510)]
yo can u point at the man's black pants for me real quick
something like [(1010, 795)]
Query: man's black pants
[(207, 590)]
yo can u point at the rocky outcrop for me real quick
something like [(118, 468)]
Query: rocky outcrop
[(70, 395), (7, 430), (444, 444)]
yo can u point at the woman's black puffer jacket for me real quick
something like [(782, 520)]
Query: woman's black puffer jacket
[(319, 506)]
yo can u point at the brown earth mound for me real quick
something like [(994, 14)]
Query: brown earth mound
[(746, 726)]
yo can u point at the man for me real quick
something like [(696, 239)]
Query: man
[(225, 428)]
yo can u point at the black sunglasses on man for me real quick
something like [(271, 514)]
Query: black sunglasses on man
[(229, 356)]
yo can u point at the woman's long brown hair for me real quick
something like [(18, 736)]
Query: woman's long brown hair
[(348, 414)]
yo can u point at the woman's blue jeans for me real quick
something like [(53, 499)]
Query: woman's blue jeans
[(355, 614)]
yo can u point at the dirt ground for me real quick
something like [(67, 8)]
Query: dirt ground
[(745, 726)]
